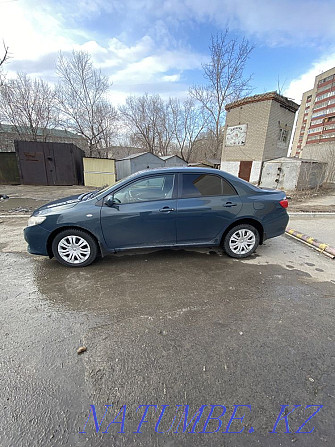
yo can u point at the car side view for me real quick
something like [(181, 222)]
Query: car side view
[(159, 208)]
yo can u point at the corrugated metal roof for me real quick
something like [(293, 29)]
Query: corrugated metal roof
[(166, 157), (137, 155)]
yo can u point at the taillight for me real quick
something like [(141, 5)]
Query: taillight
[(284, 203)]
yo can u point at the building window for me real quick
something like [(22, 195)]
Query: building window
[(328, 135), (283, 135), (315, 129), (316, 114), (316, 122), (328, 78), (325, 95), (322, 104), (329, 119)]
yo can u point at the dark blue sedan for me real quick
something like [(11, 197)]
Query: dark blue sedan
[(171, 207)]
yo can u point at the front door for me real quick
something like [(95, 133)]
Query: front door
[(143, 214)]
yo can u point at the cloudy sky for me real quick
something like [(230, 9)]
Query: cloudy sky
[(158, 46)]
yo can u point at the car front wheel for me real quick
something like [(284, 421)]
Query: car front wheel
[(241, 241), (74, 248)]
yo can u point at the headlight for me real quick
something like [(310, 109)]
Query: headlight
[(35, 220)]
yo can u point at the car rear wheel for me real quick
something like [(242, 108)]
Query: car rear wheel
[(241, 241), (74, 248)]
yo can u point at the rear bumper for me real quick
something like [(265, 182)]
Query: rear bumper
[(37, 239), (275, 226)]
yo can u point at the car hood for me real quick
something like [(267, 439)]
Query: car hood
[(58, 205)]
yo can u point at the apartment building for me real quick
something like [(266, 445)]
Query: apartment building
[(315, 128)]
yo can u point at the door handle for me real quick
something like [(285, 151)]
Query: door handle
[(229, 204), (166, 209)]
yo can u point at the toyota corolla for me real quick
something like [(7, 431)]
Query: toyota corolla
[(160, 208)]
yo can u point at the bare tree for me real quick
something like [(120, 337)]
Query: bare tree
[(108, 127), (148, 120), (5, 56), (188, 122), (225, 81), (29, 105), (82, 99)]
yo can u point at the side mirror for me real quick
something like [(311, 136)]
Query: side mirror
[(109, 201)]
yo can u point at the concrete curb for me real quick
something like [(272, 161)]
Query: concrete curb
[(314, 243), (311, 213)]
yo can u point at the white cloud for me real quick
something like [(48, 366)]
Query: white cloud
[(271, 21), (157, 65), (31, 32), (139, 46), (131, 53), (305, 82), (171, 78)]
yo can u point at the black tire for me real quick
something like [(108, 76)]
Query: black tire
[(241, 241), (74, 248)]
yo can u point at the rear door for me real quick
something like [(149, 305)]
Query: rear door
[(208, 204)]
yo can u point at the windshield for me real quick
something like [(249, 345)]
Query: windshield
[(91, 194)]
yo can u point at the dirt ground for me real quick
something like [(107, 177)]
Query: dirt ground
[(23, 199), (321, 200)]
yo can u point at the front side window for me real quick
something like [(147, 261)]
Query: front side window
[(201, 185), (158, 187)]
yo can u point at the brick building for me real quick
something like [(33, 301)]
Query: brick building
[(257, 128), (314, 136), (8, 135)]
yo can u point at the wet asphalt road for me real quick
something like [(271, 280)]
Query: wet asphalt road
[(168, 328)]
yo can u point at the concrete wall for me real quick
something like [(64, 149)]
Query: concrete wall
[(292, 174), (279, 118), (255, 172), (324, 152), (311, 174), (280, 175), (99, 172), (233, 167), (256, 116)]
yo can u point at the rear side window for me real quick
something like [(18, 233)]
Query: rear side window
[(201, 185)]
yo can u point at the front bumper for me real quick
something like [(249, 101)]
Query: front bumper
[(37, 239)]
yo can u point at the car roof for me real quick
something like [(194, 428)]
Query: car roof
[(177, 169), (186, 169)]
